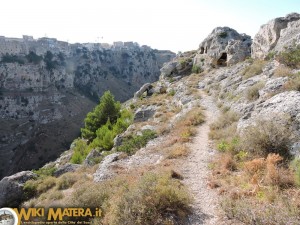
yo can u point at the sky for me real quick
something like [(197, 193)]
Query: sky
[(177, 25)]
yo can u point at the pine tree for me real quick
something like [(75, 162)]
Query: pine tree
[(108, 109)]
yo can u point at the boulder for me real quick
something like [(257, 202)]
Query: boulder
[(89, 160), (144, 113), (11, 188), (103, 172), (283, 109), (168, 69), (146, 87), (275, 35), (69, 167), (224, 46)]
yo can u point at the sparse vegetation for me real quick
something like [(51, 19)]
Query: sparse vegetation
[(290, 58), (267, 137), (223, 34), (134, 142), (196, 69), (254, 69), (252, 93)]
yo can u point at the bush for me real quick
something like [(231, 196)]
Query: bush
[(224, 127), (254, 69), (196, 69), (172, 92), (66, 181), (45, 171), (7, 58), (295, 164), (293, 84), (81, 150), (266, 137), (223, 34), (250, 212), (154, 199), (252, 93), (290, 58), (133, 143), (32, 57), (107, 109)]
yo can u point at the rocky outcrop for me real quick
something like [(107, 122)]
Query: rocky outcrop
[(11, 188), (68, 167), (103, 171), (276, 35), (180, 66), (90, 158), (144, 113), (145, 88), (224, 46), (47, 87)]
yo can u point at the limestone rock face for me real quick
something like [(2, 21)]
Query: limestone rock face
[(68, 167), (11, 188), (144, 113), (47, 87), (179, 66), (224, 46), (276, 34), (103, 171)]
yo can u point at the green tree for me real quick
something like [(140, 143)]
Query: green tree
[(108, 109)]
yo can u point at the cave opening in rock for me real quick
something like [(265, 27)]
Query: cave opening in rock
[(222, 61), (201, 50)]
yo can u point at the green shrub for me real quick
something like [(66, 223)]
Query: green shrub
[(133, 143), (223, 34), (196, 69), (290, 58), (7, 58), (107, 109), (30, 189), (32, 57), (172, 92), (81, 150), (45, 171)]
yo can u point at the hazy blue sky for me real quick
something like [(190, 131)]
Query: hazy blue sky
[(163, 24)]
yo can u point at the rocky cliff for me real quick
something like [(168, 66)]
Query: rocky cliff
[(276, 35), (48, 86)]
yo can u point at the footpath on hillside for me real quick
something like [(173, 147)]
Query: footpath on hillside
[(206, 209)]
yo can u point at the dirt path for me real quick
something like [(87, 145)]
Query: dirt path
[(196, 171)]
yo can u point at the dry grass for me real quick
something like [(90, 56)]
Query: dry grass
[(252, 93), (282, 71), (254, 69), (178, 151), (266, 137), (224, 127), (293, 84)]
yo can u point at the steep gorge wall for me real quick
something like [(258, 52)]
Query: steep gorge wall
[(47, 87)]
